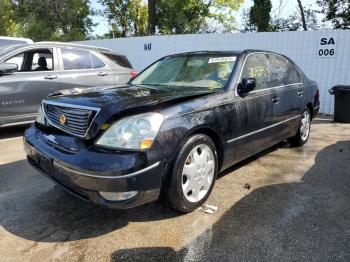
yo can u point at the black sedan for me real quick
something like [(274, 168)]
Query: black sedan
[(173, 128)]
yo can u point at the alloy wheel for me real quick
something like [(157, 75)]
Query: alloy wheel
[(305, 126)]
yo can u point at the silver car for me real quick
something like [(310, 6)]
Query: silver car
[(5, 40), (30, 72)]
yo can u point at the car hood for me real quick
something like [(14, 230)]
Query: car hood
[(112, 101)]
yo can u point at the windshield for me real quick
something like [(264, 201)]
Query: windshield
[(6, 49), (202, 70)]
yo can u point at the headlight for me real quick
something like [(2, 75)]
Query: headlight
[(134, 132), (40, 118)]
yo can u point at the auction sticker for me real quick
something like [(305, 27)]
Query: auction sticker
[(222, 59)]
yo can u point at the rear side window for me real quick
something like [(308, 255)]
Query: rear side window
[(76, 59), (96, 62), (80, 59), (282, 70), (118, 59), (256, 66)]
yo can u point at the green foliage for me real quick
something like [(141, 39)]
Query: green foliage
[(63, 20), (259, 15), (194, 16), (126, 17), (67, 20), (180, 16), (222, 14), (336, 11), (8, 24)]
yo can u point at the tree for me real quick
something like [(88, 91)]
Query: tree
[(126, 17), (222, 15), (294, 22), (259, 15), (8, 24), (193, 16), (180, 16), (337, 12), (302, 14), (54, 19), (151, 17)]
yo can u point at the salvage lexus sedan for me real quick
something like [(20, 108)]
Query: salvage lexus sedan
[(171, 130)]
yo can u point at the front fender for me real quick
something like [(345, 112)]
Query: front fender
[(177, 128)]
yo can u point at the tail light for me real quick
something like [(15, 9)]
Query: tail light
[(133, 73)]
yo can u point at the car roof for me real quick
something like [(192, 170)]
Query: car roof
[(223, 52), (63, 44), (26, 40)]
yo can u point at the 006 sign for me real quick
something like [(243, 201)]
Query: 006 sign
[(326, 47), (326, 52)]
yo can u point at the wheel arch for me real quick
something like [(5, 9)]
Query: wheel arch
[(311, 109), (215, 137), (210, 132)]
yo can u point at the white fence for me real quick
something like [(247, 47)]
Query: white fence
[(323, 55)]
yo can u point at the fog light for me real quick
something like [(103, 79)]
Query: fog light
[(118, 196)]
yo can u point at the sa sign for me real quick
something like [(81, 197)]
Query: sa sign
[(326, 47)]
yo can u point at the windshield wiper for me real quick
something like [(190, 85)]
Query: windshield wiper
[(151, 84)]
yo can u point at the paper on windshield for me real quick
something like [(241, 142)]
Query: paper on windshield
[(222, 59)]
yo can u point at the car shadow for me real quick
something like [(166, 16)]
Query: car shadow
[(32, 207), (11, 132), (308, 220)]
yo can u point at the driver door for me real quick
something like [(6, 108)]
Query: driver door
[(254, 112), (22, 91)]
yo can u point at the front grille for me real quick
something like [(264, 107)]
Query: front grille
[(77, 120)]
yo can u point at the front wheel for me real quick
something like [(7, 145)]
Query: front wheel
[(303, 133), (193, 175)]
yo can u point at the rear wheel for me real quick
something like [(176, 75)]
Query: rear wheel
[(303, 133), (193, 174)]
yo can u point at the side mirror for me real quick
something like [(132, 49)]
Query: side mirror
[(247, 85), (8, 68)]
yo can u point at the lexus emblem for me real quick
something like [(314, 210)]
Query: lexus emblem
[(63, 119)]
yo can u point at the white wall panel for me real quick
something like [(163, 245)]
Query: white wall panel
[(302, 47)]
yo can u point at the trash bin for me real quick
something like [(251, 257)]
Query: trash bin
[(341, 103)]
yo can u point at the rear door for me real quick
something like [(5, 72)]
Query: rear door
[(82, 68), (21, 92)]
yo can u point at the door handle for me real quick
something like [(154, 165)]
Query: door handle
[(275, 100), (50, 77), (300, 93), (102, 74)]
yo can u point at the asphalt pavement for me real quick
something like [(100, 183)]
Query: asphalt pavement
[(284, 204)]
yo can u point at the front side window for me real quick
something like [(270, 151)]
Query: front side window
[(283, 72), (197, 70), (256, 66), (33, 60)]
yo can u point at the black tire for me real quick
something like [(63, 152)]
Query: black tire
[(173, 193), (298, 139)]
